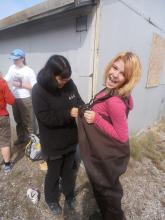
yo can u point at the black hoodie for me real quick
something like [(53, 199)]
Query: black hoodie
[(58, 130)]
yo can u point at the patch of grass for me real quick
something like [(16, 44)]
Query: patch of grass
[(17, 173), (145, 145), (136, 148), (155, 155), (161, 125)]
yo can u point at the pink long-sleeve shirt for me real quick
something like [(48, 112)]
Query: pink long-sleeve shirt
[(115, 109)]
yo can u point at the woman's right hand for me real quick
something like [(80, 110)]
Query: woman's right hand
[(89, 116)]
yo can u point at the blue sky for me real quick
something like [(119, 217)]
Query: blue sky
[(9, 7)]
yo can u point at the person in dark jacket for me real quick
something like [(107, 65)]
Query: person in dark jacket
[(55, 101)]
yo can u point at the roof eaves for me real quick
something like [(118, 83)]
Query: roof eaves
[(43, 10)]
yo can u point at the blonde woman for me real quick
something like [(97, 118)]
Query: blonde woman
[(103, 133)]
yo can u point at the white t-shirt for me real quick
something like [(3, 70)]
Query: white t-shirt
[(24, 75)]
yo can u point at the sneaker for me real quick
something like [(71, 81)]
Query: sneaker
[(7, 168), (71, 202), (55, 208)]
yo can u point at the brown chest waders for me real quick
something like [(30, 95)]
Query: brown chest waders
[(105, 161)]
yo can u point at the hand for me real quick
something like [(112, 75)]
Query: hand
[(74, 112), (17, 83), (89, 116), (1, 75)]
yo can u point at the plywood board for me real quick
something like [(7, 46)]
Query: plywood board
[(157, 57)]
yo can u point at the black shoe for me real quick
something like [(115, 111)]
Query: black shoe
[(55, 208), (71, 202)]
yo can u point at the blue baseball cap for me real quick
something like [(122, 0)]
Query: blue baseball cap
[(17, 54)]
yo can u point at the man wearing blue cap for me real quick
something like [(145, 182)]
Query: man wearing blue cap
[(22, 79)]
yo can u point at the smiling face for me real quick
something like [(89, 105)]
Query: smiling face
[(115, 77)]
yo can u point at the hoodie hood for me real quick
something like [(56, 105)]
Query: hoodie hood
[(46, 83), (130, 103)]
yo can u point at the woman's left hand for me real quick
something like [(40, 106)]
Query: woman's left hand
[(74, 112), (89, 116)]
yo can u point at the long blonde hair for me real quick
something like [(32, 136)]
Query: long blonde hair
[(132, 72)]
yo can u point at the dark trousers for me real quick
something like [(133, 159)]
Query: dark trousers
[(64, 168), (109, 201), (22, 111), (106, 186)]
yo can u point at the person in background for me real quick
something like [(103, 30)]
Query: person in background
[(6, 97), (22, 79), (55, 101), (103, 133)]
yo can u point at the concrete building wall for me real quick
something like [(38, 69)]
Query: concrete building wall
[(121, 29), (113, 27), (52, 35)]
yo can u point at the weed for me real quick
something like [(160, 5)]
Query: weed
[(136, 148), (146, 145), (18, 173)]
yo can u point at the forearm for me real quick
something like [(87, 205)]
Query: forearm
[(117, 131), (26, 86)]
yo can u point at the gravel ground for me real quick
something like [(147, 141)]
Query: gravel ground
[(144, 192)]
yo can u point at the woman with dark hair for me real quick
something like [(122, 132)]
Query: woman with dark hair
[(55, 101)]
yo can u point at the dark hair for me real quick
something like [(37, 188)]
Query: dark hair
[(56, 65), (24, 61)]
